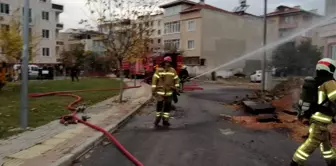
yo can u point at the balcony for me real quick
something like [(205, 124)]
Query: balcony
[(57, 7), (60, 43), (288, 25), (59, 26)]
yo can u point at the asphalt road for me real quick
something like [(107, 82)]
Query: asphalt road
[(198, 137)]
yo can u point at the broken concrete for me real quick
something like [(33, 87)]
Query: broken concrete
[(258, 108)]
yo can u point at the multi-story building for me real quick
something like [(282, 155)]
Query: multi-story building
[(330, 7), (209, 36), (44, 23), (156, 24), (292, 19), (87, 40)]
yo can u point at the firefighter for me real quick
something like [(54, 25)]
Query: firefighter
[(165, 81), (3, 73), (317, 103), (184, 75)]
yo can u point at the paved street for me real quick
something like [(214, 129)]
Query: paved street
[(198, 137)]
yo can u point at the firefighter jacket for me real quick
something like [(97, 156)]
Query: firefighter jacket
[(327, 102), (164, 81)]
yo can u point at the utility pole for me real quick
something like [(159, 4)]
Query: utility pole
[(264, 61), (24, 68)]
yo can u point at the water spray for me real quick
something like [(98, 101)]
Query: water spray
[(271, 45)]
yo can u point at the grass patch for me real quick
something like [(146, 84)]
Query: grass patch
[(45, 109)]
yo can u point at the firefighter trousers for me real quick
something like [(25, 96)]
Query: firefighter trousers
[(163, 108), (319, 136)]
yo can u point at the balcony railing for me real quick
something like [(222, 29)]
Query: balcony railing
[(57, 7), (59, 25)]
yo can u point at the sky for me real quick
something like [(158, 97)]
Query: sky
[(75, 10)]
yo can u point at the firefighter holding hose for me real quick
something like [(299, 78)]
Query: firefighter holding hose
[(165, 81), (318, 104)]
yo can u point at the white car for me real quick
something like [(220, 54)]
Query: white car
[(32, 70), (256, 76)]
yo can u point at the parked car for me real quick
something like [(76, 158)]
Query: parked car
[(256, 76), (32, 70)]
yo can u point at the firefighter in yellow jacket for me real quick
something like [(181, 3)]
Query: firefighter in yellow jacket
[(165, 81), (320, 110)]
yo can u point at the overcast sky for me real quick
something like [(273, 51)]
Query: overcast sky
[(75, 10)]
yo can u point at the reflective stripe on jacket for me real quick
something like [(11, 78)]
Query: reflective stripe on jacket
[(327, 91), (164, 81)]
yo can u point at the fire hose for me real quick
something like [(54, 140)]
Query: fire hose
[(74, 119)]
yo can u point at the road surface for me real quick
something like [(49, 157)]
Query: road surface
[(198, 137)]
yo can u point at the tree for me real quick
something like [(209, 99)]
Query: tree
[(11, 40), (296, 58), (75, 56), (127, 27)]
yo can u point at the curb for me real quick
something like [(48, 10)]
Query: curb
[(81, 150)]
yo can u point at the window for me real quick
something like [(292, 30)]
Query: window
[(30, 14), (172, 44), (289, 19), (191, 25), (152, 23), (45, 34), (172, 27), (45, 52), (202, 62), (159, 23), (191, 44), (4, 8), (45, 15), (159, 41), (159, 32), (43, 0), (4, 27)]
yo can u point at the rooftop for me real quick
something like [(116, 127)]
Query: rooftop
[(282, 10), (177, 2)]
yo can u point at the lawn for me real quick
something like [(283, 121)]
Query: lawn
[(45, 109)]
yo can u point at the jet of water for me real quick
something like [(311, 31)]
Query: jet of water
[(321, 22)]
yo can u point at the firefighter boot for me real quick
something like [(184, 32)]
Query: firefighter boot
[(293, 163), (157, 121), (166, 122)]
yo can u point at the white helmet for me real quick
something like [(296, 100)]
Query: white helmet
[(326, 64)]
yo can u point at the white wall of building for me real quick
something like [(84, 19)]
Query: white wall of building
[(38, 25)]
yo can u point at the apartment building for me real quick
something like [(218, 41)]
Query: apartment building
[(156, 45), (210, 36), (292, 19), (87, 40), (44, 22)]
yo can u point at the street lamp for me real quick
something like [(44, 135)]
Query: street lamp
[(24, 67), (264, 61)]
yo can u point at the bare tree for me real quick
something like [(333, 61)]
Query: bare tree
[(127, 27)]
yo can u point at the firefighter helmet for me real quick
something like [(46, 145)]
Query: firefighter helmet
[(167, 58), (326, 64)]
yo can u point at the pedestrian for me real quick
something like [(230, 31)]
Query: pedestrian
[(184, 75), (317, 102), (165, 81), (3, 72), (74, 72)]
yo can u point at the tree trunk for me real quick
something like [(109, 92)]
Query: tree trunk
[(121, 74)]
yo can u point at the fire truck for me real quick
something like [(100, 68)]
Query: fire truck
[(137, 67), (177, 63)]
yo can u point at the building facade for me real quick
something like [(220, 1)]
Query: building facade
[(293, 19), (87, 40), (44, 25), (210, 37)]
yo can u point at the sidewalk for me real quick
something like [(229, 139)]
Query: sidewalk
[(58, 145)]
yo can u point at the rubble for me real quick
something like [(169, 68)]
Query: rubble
[(258, 108)]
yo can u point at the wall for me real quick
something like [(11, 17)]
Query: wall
[(191, 35), (37, 25), (226, 37)]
